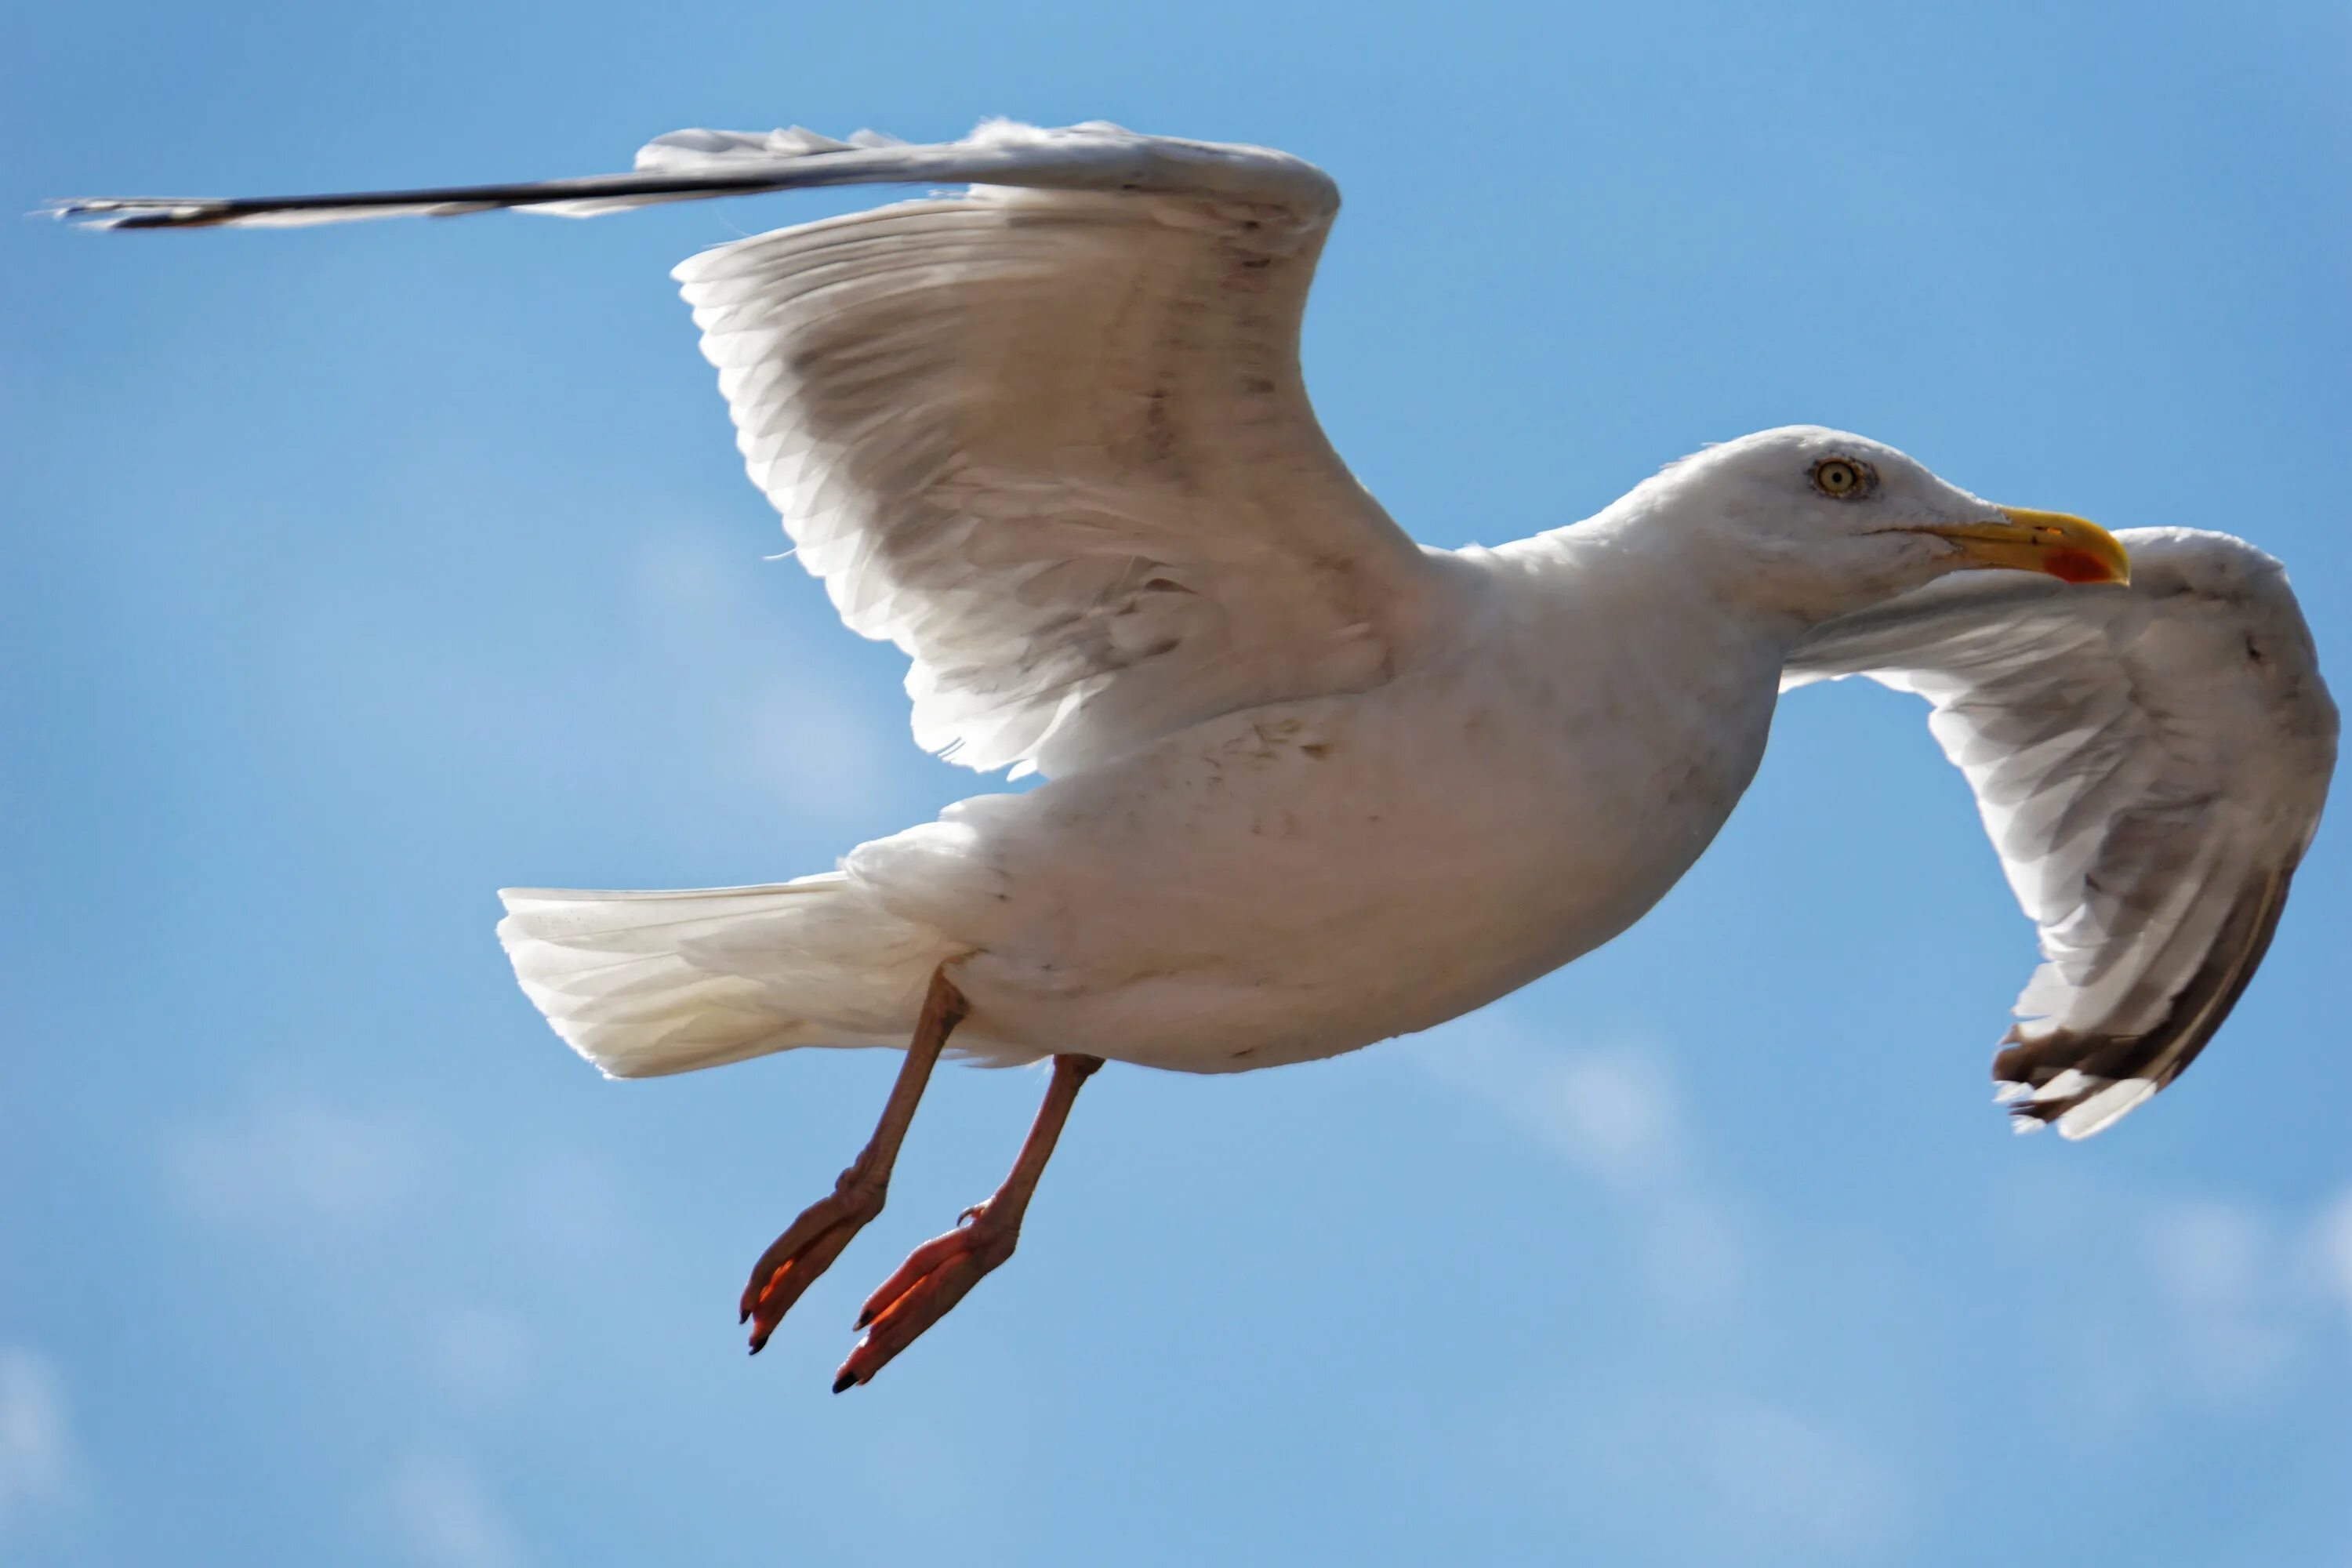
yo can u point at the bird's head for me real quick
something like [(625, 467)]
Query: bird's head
[(1818, 522)]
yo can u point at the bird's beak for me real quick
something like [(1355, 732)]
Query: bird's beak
[(2067, 548)]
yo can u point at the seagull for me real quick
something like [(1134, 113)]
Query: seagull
[(1308, 784)]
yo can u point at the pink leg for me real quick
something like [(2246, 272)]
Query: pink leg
[(942, 1271), (808, 1246)]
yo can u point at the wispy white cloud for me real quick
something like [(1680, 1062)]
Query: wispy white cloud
[(1798, 1480), (1699, 1473), (2209, 1301), (443, 1516), (305, 1172), (2331, 1252), (291, 1160), (40, 1467), (825, 755), (2225, 1278), (479, 1359), (1766, 1479), (570, 1204), (767, 726), (1694, 1253), (2226, 1304), (1615, 1114)]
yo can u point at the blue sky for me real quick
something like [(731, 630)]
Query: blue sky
[(356, 572)]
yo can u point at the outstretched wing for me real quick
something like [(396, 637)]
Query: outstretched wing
[(1050, 435), (2151, 763)]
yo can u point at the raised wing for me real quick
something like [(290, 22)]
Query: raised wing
[(2151, 763), (1050, 435)]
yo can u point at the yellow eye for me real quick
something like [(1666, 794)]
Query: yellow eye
[(1842, 479)]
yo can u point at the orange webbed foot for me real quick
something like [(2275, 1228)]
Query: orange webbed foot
[(935, 1276), (807, 1249)]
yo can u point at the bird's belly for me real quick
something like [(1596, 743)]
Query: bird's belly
[(1300, 881)]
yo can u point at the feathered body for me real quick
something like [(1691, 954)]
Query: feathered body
[(1300, 879)]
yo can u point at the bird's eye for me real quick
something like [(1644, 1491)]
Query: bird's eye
[(1842, 478)]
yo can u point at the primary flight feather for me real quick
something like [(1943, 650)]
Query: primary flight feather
[(1311, 784)]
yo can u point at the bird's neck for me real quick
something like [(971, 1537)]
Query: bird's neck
[(1581, 621), (1613, 571), (1777, 583)]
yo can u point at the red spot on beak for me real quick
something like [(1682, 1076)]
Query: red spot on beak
[(2077, 566)]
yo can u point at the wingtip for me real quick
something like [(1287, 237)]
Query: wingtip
[(83, 211), (2104, 1109), (126, 212)]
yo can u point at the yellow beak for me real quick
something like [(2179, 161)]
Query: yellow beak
[(2065, 547)]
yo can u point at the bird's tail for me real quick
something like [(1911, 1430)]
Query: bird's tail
[(648, 984)]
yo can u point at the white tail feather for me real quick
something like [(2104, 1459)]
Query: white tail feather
[(648, 984)]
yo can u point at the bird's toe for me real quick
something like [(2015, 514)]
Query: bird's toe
[(794, 1261), (935, 1276)]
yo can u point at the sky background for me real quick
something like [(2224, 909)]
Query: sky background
[(355, 573)]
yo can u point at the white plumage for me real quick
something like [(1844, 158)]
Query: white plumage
[(1313, 784), (2150, 766)]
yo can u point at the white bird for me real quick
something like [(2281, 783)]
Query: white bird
[(1311, 784)]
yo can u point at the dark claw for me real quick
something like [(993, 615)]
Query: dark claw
[(846, 1380), (807, 1249)]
